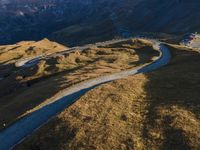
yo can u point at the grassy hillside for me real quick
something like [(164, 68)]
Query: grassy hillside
[(26, 49), (25, 89), (11, 54), (158, 110), (84, 33)]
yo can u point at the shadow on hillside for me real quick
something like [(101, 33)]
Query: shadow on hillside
[(19, 97), (65, 133), (6, 69), (44, 88), (14, 106), (176, 84), (145, 53)]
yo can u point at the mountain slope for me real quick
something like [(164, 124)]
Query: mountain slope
[(157, 110), (25, 89), (94, 20)]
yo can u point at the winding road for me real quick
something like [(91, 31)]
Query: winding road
[(18, 131), (28, 62)]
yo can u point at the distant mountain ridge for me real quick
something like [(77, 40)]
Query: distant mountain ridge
[(81, 21)]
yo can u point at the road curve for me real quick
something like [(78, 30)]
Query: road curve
[(18, 131), (28, 62)]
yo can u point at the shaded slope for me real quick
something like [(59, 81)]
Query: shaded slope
[(158, 110), (173, 116), (62, 71), (95, 20)]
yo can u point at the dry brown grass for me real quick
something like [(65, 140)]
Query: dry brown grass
[(158, 110), (31, 88), (173, 118), (11, 53), (107, 117)]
